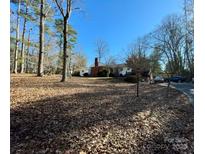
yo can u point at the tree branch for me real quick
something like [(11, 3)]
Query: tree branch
[(60, 8), (69, 8)]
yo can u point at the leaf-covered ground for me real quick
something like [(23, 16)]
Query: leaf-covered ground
[(97, 116)]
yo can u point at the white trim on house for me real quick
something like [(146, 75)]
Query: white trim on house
[(85, 70), (120, 69), (124, 71)]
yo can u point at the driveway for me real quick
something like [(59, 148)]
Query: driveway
[(186, 88)]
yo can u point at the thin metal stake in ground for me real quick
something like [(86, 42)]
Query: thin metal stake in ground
[(137, 82)]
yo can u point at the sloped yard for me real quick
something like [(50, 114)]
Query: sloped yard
[(97, 116)]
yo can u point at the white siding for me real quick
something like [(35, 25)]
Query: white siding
[(123, 71), (86, 70)]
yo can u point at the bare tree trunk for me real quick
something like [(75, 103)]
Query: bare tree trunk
[(17, 39), (23, 44), (99, 57), (27, 54), (70, 63), (22, 49), (27, 60), (65, 55), (66, 16), (187, 50), (41, 41)]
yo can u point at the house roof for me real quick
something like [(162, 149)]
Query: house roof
[(99, 64), (111, 65), (118, 65)]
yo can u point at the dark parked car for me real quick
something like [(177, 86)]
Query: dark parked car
[(158, 79), (177, 79)]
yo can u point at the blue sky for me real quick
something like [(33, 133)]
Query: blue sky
[(118, 22)]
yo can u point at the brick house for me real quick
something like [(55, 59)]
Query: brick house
[(113, 70)]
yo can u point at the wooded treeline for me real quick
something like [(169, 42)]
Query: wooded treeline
[(170, 45), (42, 41)]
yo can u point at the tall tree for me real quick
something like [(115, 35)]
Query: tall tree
[(28, 51), (137, 58), (66, 13), (44, 11), (22, 41), (169, 37), (109, 62), (189, 35), (79, 61), (155, 58), (41, 39), (101, 48), (17, 38), (71, 40)]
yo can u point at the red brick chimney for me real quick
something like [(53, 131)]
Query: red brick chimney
[(96, 62), (94, 70)]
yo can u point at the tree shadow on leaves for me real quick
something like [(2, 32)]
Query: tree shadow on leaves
[(50, 124)]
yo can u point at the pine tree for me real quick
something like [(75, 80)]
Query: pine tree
[(17, 37)]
